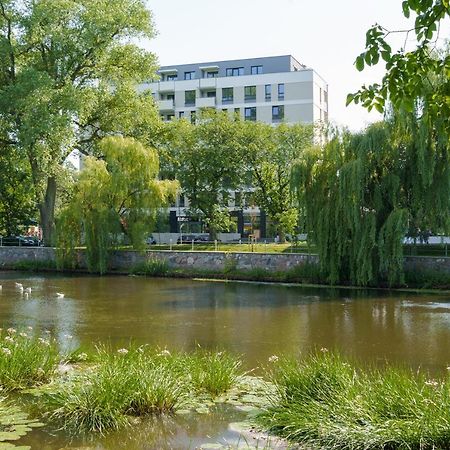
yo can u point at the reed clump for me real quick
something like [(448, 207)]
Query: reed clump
[(324, 401)]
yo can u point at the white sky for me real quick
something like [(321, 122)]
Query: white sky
[(326, 35)]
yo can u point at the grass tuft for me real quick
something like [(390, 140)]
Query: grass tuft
[(151, 267), (325, 402)]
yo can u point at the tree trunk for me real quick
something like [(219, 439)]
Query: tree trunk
[(281, 235), (47, 212)]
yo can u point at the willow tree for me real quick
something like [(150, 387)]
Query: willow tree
[(117, 194), (68, 73)]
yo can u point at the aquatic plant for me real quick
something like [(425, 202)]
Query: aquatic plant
[(14, 424), (151, 267), (135, 381), (325, 402), (25, 359)]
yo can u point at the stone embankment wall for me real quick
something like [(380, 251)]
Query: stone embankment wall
[(272, 262)]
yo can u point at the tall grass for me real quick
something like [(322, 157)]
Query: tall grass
[(136, 382), (325, 402), (26, 360), (151, 267)]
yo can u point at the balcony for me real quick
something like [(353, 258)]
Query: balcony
[(166, 86), (207, 83), (165, 105), (206, 102)]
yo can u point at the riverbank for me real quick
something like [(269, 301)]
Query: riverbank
[(421, 272)]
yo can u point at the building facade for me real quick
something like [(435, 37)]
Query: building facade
[(268, 89)]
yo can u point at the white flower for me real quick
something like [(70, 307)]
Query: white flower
[(82, 357), (122, 351), (11, 330), (6, 351), (433, 383), (23, 335), (324, 350), (30, 328), (47, 331), (273, 358), (68, 336), (9, 339), (44, 341), (165, 352)]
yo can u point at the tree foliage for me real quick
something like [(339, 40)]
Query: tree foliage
[(117, 194), (270, 153), (67, 78)]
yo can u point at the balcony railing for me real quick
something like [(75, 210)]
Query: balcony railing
[(165, 105)]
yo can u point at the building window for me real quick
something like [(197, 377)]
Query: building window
[(277, 113), (237, 110), (189, 98), (189, 75), (211, 74), (210, 94), (181, 114), (250, 93), (256, 70), (250, 114), (268, 91), (170, 96), (170, 117), (173, 77), (234, 71), (227, 95), (193, 117), (281, 91)]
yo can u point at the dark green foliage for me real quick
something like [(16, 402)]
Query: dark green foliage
[(325, 402), (32, 265), (152, 267)]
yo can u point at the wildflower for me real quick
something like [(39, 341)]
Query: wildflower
[(44, 341), (11, 330), (23, 335), (433, 383), (47, 331), (448, 367), (273, 358), (324, 350), (30, 328), (6, 351), (82, 357), (122, 351), (9, 339), (68, 336), (165, 352)]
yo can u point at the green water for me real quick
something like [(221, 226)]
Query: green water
[(252, 320)]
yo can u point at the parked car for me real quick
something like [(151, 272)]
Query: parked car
[(20, 241)]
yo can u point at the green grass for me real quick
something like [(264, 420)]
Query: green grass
[(136, 382), (26, 360), (325, 402), (32, 265), (151, 267)]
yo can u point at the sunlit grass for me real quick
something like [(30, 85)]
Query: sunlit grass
[(325, 402)]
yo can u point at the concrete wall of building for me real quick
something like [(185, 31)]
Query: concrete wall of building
[(272, 262)]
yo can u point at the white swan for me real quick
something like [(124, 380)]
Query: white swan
[(59, 295), (18, 285), (28, 290)]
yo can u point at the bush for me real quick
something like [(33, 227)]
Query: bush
[(25, 360), (324, 402)]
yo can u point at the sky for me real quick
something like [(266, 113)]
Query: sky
[(326, 35)]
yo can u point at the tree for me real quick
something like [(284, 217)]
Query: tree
[(17, 205), (114, 195), (68, 76), (270, 155), (206, 159)]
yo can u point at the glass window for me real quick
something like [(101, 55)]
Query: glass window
[(193, 116), (234, 71), (277, 113), (189, 75), (281, 91), (170, 96), (227, 95), (189, 97), (257, 70), (250, 93), (250, 113), (211, 74), (237, 110), (211, 94), (173, 77), (268, 91), (181, 114)]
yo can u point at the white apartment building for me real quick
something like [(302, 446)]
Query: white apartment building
[(268, 89)]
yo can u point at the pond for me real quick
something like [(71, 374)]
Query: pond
[(249, 319)]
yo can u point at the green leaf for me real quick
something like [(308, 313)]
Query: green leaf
[(405, 7), (360, 63), (350, 98)]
